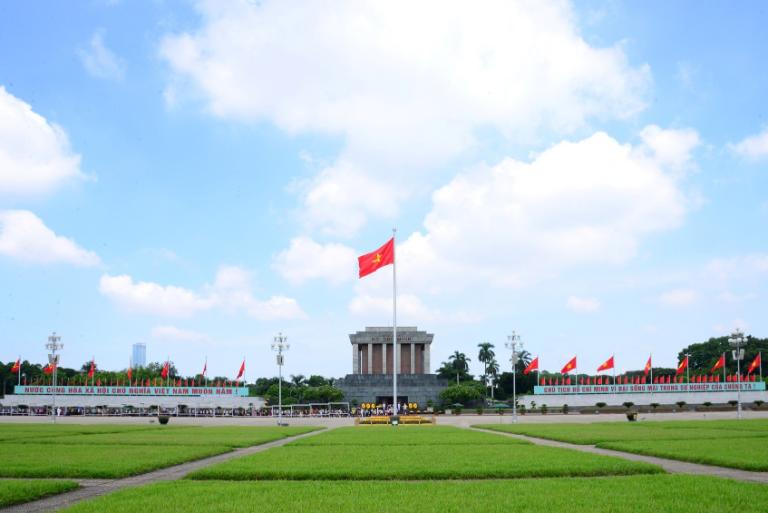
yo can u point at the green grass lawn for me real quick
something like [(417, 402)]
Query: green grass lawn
[(230, 436), (419, 462), (742, 453), (39, 431), (760, 425), (379, 436), (97, 461), (590, 434), (635, 494), (16, 491)]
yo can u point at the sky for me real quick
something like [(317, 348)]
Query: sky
[(201, 176)]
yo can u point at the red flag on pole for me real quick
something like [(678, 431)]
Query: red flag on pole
[(92, 369), (16, 366), (647, 368), (375, 260), (533, 366), (130, 374), (719, 364), (571, 365), (608, 364), (754, 365), (48, 369), (241, 371), (682, 366), (205, 368), (164, 372)]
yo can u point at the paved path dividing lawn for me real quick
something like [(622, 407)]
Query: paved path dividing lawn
[(95, 488), (672, 466)]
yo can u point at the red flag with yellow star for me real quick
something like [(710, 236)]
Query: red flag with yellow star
[(375, 260), (608, 364), (569, 366), (755, 364), (682, 366)]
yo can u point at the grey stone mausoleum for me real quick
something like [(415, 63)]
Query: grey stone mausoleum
[(372, 358)]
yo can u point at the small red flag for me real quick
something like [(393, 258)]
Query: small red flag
[(534, 365), (148, 383), (375, 260), (241, 371), (682, 366), (719, 364), (164, 372), (608, 364), (755, 364), (98, 382), (205, 368), (130, 374), (648, 366), (571, 365), (92, 369), (16, 366), (48, 369)]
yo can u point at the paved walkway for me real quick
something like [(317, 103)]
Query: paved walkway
[(90, 488), (671, 466)]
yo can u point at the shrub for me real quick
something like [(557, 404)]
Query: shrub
[(479, 410), (706, 404), (654, 405), (543, 409), (521, 409), (163, 419), (680, 404), (565, 409), (600, 404), (462, 393), (733, 402), (759, 403), (628, 404)]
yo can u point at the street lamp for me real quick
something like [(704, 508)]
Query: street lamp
[(280, 344), (53, 345), (738, 341), (514, 343)]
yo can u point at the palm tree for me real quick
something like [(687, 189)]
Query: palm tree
[(485, 355), (459, 363), (524, 359), (298, 379)]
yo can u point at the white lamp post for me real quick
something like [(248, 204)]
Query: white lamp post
[(280, 344), (514, 343), (738, 341), (53, 345)]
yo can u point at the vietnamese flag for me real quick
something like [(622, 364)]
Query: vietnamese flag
[(241, 371), (130, 374), (375, 260), (608, 364), (682, 366), (755, 364), (48, 369), (92, 369), (533, 366), (571, 365), (164, 372), (543, 381), (719, 364), (16, 366), (647, 368)]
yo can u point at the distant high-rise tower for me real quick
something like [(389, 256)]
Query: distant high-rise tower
[(139, 355)]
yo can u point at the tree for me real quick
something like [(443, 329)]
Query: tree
[(705, 354), (463, 394), (298, 379), (485, 355), (456, 368)]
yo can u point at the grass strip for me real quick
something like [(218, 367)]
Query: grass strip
[(741, 453), (591, 434), (230, 436), (635, 494), (419, 462), (95, 461), (30, 431), (17, 491), (377, 436)]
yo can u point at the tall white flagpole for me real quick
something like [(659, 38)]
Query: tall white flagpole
[(394, 324)]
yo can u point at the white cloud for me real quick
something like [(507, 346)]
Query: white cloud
[(35, 156), (582, 304), (586, 202), (678, 297), (100, 61), (25, 237), (754, 147), (409, 308), (406, 87), (148, 297), (671, 148), (174, 334), (231, 291), (305, 260)]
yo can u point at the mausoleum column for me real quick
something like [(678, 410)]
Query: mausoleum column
[(383, 358), (427, 369), (370, 358), (413, 358), (355, 360)]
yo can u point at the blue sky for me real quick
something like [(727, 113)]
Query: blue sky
[(200, 176)]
